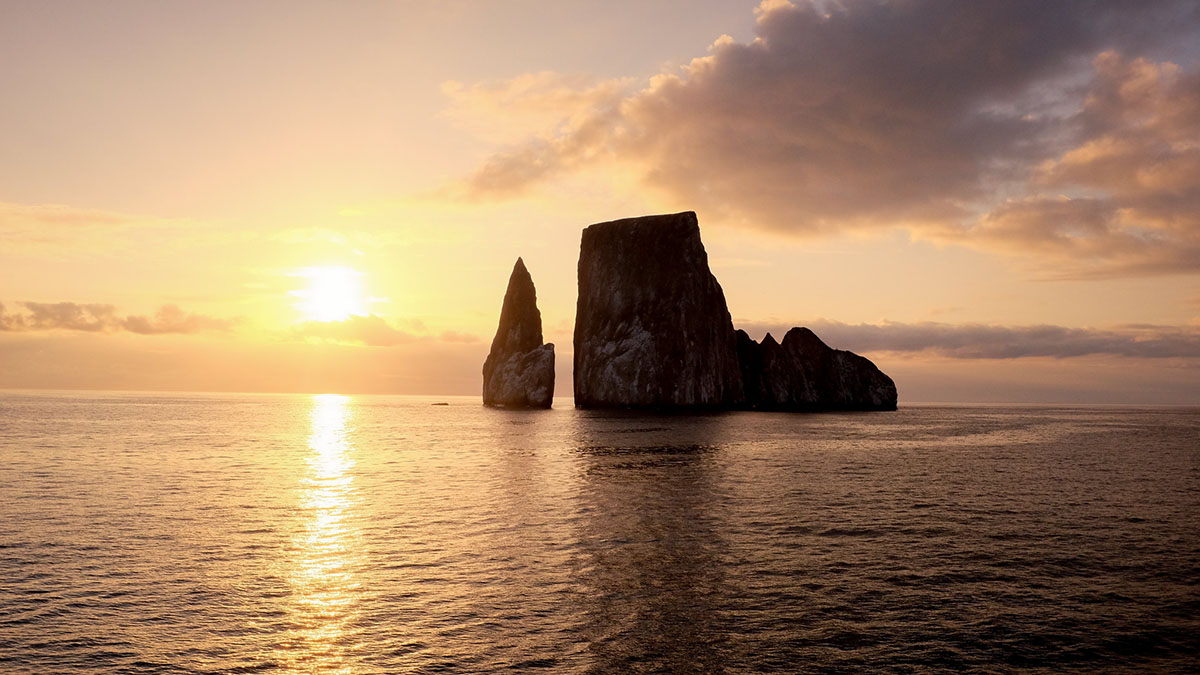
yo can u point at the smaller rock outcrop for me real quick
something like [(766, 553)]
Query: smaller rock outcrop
[(519, 370), (803, 373)]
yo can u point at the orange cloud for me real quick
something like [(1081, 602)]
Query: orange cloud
[(1139, 158)]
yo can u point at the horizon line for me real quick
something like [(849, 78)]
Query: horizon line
[(902, 404)]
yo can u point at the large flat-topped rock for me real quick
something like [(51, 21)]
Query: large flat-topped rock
[(519, 370), (651, 325), (652, 331)]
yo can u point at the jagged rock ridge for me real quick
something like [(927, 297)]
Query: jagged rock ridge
[(651, 325), (652, 330), (519, 370), (803, 373)]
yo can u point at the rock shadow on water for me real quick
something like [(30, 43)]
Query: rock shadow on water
[(649, 572)]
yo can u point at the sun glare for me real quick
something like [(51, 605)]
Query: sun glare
[(333, 293)]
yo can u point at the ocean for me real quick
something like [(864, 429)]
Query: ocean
[(185, 533)]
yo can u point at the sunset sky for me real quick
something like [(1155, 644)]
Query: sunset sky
[(994, 201)]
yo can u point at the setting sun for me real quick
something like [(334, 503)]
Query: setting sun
[(333, 293)]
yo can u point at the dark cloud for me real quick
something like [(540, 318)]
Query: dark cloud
[(96, 318), (978, 341), (927, 115)]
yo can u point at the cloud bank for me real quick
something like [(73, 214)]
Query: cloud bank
[(370, 330), (980, 341), (101, 318), (373, 330), (1026, 127)]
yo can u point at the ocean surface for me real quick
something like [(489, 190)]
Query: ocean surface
[(253, 533)]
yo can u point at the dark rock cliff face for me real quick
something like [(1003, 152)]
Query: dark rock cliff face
[(652, 331), (519, 371), (651, 325), (803, 373)]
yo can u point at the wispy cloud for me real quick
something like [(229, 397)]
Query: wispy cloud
[(172, 319), (1032, 128), (103, 318), (375, 331), (534, 103), (981, 341), (31, 229), (26, 224), (455, 336), (370, 330)]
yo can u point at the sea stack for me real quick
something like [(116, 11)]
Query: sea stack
[(519, 371), (652, 330), (651, 326)]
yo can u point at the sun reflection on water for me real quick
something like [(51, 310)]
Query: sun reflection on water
[(325, 588)]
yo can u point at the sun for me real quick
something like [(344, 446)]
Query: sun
[(333, 293)]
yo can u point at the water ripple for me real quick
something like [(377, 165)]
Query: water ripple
[(246, 534)]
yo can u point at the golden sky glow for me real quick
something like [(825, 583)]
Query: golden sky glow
[(297, 196)]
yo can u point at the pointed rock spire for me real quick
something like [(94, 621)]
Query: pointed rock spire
[(520, 321), (519, 371)]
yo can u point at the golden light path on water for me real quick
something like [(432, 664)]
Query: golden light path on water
[(322, 574)]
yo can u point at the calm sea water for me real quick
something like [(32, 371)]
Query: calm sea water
[(214, 534)]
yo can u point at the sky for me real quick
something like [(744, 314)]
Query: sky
[(995, 201)]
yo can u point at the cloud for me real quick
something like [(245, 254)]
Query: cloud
[(61, 316), (59, 231), (172, 319), (980, 341), (375, 331), (44, 224), (101, 318), (958, 121), (534, 103), (371, 330), (40, 216), (455, 336), (1140, 158)]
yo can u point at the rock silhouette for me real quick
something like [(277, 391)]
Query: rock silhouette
[(519, 370), (802, 373), (651, 325), (652, 330)]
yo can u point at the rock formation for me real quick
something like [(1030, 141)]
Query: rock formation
[(652, 331), (651, 325), (519, 371), (802, 373)]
